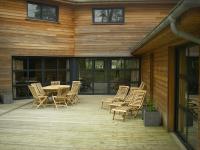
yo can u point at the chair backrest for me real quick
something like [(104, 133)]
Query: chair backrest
[(55, 82), (40, 89), (122, 92), (36, 88), (75, 87), (62, 92), (142, 86), (33, 91), (131, 94), (139, 98)]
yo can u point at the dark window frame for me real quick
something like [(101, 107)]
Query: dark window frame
[(108, 23), (43, 5)]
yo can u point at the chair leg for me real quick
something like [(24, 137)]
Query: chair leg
[(124, 115), (114, 115), (101, 104)]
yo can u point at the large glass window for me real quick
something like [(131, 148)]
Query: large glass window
[(27, 70), (97, 75), (104, 75), (108, 15), (187, 104), (42, 11)]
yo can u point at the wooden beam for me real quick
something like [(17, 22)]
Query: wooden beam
[(171, 89)]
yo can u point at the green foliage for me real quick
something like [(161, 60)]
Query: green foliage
[(150, 107)]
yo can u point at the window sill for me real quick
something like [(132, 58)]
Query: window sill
[(39, 20), (108, 23)]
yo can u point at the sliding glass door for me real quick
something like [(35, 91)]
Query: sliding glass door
[(27, 70), (187, 100), (104, 75), (97, 75)]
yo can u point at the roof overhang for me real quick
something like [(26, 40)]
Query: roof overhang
[(91, 2), (188, 14)]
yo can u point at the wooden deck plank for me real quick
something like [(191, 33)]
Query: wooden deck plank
[(83, 126)]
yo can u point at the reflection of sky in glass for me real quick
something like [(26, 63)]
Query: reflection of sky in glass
[(108, 15), (33, 9)]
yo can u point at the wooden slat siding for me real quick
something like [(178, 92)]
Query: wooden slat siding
[(115, 40), (189, 22), (22, 37), (160, 81), (145, 73)]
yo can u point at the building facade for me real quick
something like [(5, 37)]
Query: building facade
[(170, 56), (62, 40)]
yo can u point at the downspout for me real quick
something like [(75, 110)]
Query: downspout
[(182, 34)]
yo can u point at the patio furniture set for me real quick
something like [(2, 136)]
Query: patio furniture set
[(127, 100), (60, 95)]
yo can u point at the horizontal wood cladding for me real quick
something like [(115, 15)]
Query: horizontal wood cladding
[(154, 71), (145, 73), (23, 37), (115, 40), (189, 22), (160, 81)]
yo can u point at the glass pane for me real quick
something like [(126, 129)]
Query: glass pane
[(51, 63), (117, 64), (99, 76), (19, 64), (35, 76), (20, 91), (116, 15), (99, 64), (192, 54), (108, 15), (49, 13), (50, 76), (182, 127), (134, 75), (86, 83), (85, 64), (62, 77), (100, 88), (101, 16), (62, 64), (113, 87), (35, 63), (34, 11), (20, 77), (132, 64), (116, 75)]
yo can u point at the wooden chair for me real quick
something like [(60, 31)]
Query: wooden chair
[(120, 96), (73, 93), (55, 82), (38, 99), (130, 97), (61, 98), (39, 88), (77, 85), (134, 106)]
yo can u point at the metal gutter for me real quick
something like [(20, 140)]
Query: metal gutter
[(179, 9), (93, 2)]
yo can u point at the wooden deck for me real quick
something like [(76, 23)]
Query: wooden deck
[(80, 127)]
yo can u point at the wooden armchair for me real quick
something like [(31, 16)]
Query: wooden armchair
[(73, 93), (120, 96), (134, 106), (39, 100), (61, 98)]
